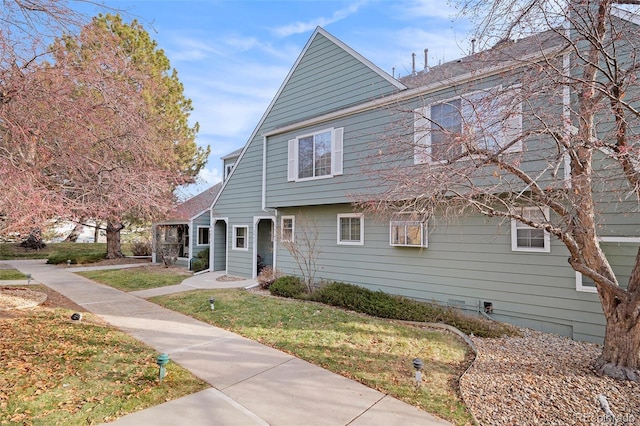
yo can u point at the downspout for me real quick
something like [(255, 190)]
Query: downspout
[(154, 242), (212, 234), (191, 242), (566, 105), (264, 200), (264, 174)]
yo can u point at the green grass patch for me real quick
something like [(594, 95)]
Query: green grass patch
[(11, 274), (55, 371), (57, 253), (373, 351), (77, 253), (140, 278), (14, 251)]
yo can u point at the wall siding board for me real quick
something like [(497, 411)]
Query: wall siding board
[(319, 84), (201, 220), (527, 287)]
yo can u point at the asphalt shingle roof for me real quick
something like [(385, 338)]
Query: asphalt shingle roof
[(198, 203), (501, 54)]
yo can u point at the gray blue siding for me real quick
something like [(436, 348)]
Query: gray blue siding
[(469, 260), (203, 220)]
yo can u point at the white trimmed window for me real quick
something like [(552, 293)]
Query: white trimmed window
[(351, 229), (621, 253), (203, 235), (315, 155), (240, 237), (489, 119), (228, 169), (287, 228), (404, 232), (528, 238)]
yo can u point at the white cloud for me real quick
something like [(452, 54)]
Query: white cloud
[(303, 27), (437, 9), (206, 179), (190, 49), (210, 176), (242, 43)]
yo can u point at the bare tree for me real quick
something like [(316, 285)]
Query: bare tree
[(166, 249), (552, 142), (300, 237)]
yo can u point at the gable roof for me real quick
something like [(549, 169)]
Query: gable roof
[(316, 34), (197, 204), (233, 154)]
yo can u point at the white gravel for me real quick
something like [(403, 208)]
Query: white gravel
[(544, 379)]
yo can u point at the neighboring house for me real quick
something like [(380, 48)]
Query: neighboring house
[(228, 161), (186, 232), (304, 161)]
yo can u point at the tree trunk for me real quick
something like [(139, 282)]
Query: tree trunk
[(96, 232), (114, 250), (75, 232), (620, 356)]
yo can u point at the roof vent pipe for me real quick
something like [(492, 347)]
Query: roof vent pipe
[(473, 46), (426, 60), (413, 63)]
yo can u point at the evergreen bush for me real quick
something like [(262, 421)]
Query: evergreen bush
[(288, 286)]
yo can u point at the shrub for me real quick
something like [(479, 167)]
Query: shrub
[(141, 248), (267, 277), (201, 261), (287, 286), (33, 240), (383, 305)]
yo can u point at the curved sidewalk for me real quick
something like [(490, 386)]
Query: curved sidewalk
[(252, 384)]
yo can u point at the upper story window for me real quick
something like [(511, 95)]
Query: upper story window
[(351, 229), (487, 120), (315, 155), (227, 170), (528, 238), (287, 228)]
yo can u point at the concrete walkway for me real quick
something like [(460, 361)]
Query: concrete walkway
[(252, 384)]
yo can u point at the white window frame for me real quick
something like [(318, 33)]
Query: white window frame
[(234, 245), (510, 128), (337, 135), (199, 243), (515, 225), (592, 289), (359, 242), (396, 222), (292, 237), (228, 169)]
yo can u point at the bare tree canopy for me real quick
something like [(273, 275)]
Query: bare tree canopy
[(544, 129)]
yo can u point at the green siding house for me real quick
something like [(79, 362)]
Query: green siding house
[(313, 153)]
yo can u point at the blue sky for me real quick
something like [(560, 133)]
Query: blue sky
[(233, 55)]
